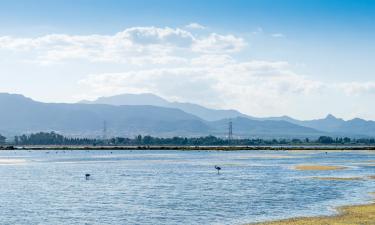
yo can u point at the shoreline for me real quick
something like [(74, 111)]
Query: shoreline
[(363, 214), (193, 148)]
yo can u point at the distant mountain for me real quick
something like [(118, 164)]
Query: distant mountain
[(151, 99), (280, 118), (207, 113), (20, 114), (329, 125), (335, 126), (23, 115), (357, 126), (266, 128), (130, 99)]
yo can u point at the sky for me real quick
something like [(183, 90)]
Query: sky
[(305, 59)]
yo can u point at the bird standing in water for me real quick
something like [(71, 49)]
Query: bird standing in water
[(218, 168)]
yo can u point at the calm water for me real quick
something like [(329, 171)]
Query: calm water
[(175, 187)]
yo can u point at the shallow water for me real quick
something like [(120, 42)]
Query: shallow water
[(175, 187)]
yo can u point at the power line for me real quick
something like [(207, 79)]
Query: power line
[(104, 130), (230, 132)]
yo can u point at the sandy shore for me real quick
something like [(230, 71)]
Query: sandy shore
[(11, 161), (318, 167), (348, 215)]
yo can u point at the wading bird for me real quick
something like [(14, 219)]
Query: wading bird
[(218, 168)]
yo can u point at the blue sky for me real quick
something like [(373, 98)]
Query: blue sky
[(301, 58), (332, 16)]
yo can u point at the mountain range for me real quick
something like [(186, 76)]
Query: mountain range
[(148, 114), (151, 99), (329, 124)]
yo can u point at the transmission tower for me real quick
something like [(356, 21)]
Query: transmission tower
[(230, 132), (104, 130)]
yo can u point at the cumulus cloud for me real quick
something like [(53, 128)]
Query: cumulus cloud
[(212, 60), (195, 26), (157, 36), (173, 82), (136, 45), (252, 83), (216, 43), (179, 64)]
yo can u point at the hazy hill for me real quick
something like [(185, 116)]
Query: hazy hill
[(329, 125), (151, 99), (130, 99), (22, 115), (267, 128), (357, 126), (25, 115), (335, 126)]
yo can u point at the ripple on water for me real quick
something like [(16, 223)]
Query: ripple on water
[(173, 187)]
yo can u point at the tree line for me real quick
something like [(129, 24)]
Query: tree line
[(52, 138)]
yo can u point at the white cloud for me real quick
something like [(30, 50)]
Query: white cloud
[(216, 43), (176, 83), (136, 45), (157, 36), (258, 85), (212, 60), (195, 26), (181, 65)]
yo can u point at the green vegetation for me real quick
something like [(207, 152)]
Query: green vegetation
[(43, 138), (52, 138)]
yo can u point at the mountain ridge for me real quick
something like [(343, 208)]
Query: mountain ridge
[(329, 124), (24, 115), (148, 98)]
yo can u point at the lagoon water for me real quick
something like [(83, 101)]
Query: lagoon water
[(176, 187)]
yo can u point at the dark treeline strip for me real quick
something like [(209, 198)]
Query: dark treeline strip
[(51, 138)]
